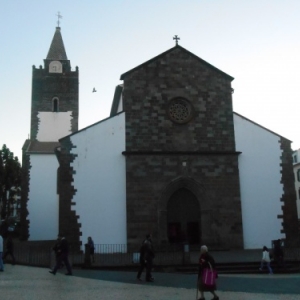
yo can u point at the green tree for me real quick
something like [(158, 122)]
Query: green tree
[(10, 176)]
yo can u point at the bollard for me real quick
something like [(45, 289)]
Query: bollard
[(186, 254)]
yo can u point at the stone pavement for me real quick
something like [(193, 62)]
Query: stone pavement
[(30, 283)]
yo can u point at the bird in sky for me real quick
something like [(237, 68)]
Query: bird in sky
[(94, 90)]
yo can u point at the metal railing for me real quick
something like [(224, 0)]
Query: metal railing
[(41, 254)]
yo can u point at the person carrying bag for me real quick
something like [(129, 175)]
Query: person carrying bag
[(207, 274)]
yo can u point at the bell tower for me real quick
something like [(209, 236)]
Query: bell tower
[(54, 114), (54, 104)]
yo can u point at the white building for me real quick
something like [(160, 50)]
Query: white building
[(172, 159)]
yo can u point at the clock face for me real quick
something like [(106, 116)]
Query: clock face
[(55, 67)]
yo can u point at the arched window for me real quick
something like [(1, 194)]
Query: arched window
[(55, 104)]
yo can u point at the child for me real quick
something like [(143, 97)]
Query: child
[(266, 259)]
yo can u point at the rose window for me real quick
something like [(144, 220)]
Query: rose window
[(180, 110)]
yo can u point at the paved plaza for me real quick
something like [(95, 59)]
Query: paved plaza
[(22, 282)]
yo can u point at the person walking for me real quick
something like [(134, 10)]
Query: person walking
[(1, 253), (146, 259), (206, 261), (9, 250), (91, 244), (63, 253), (142, 261), (266, 260), (56, 251)]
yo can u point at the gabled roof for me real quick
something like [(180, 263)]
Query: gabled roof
[(261, 126), (170, 50), (57, 49), (92, 125)]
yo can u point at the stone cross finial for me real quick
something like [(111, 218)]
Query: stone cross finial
[(59, 16), (176, 37)]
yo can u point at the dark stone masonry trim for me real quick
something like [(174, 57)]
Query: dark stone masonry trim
[(289, 218), (26, 166), (68, 220), (179, 153)]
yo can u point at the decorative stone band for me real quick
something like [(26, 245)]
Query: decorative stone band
[(181, 153)]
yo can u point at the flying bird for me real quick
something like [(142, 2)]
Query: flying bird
[(94, 90)]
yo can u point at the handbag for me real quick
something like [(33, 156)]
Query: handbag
[(209, 276)]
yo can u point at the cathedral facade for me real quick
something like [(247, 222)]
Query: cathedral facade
[(172, 159)]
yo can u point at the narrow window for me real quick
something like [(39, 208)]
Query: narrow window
[(55, 104), (298, 175)]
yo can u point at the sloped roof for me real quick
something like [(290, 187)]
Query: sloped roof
[(36, 147), (94, 124), (57, 49), (261, 126), (170, 50)]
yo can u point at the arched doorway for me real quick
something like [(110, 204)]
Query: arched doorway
[(183, 217)]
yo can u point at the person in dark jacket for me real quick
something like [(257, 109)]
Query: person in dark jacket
[(63, 253), (91, 244), (9, 250), (205, 260), (56, 249), (146, 259)]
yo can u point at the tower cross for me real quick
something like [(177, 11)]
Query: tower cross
[(59, 16), (176, 37)]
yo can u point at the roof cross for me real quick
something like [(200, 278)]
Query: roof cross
[(176, 37), (59, 16)]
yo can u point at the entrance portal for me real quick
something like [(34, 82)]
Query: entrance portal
[(183, 217)]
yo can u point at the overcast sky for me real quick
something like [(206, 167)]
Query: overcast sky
[(255, 41)]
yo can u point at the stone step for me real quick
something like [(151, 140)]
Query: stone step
[(243, 268)]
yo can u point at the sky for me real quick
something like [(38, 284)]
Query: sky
[(257, 42)]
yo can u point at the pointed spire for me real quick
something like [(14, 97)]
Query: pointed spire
[(57, 49)]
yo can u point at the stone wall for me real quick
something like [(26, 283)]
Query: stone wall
[(24, 223), (68, 220), (46, 86), (196, 147), (289, 206)]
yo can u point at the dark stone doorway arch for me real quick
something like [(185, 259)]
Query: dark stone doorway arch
[(183, 217)]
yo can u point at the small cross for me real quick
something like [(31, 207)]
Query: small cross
[(176, 37), (59, 16)]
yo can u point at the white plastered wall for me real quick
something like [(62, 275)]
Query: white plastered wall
[(100, 181), (54, 125), (261, 189), (43, 199)]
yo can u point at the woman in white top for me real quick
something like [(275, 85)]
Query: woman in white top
[(266, 260)]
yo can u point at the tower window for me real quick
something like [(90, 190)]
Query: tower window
[(298, 175), (55, 103)]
